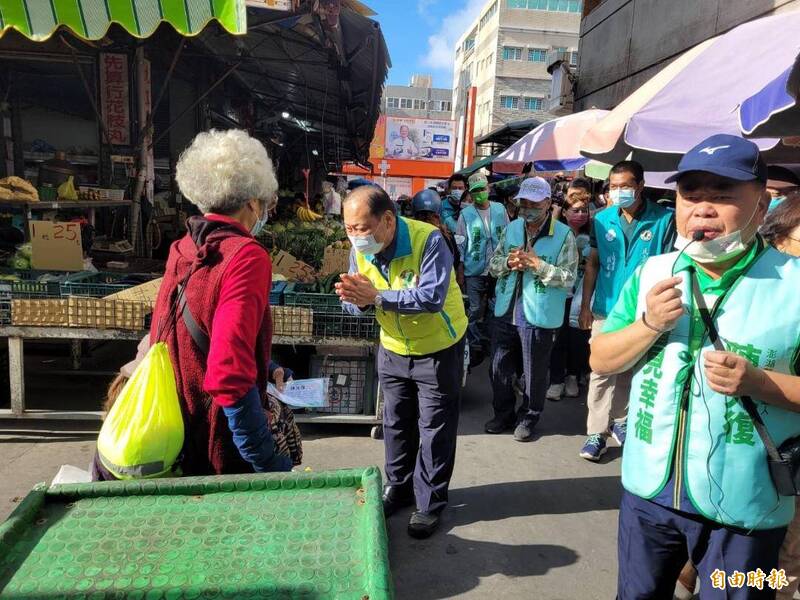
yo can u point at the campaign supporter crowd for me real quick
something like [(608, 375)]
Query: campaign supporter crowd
[(675, 313)]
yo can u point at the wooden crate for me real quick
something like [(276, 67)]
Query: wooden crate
[(102, 313), (292, 321), (40, 313)]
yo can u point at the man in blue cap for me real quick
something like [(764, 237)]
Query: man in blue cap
[(713, 332)]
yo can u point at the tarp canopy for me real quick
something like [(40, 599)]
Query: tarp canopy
[(486, 161), (90, 19)]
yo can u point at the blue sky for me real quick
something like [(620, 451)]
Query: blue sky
[(422, 34)]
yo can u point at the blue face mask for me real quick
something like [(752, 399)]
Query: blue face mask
[(624, 198), (259, 225), (532, 215), (456, 195), (366, 244), (775, 203)]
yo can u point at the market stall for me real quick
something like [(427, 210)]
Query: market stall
[(98, 113)]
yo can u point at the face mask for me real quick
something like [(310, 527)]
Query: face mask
[(480, 197), (366, 244), (775, 202), (577, 219), (623, 198), (531, 215), (259, 225), (715, 251), (456, 195)]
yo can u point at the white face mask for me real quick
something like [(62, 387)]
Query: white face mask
[(366, 244), (718, 250), (711, 252)]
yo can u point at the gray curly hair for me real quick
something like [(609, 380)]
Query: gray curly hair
[(221, 170)]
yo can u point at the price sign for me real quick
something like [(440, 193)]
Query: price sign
[(56, 246)]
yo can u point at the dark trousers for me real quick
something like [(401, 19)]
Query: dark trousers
[(421, 397), (571, 351), (655, 542), (479, 290), (534, 345)]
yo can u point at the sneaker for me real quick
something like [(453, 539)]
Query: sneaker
[(571, 388), (594, 447), (497, 426), (524, 430), (555, 392), (618, 432)]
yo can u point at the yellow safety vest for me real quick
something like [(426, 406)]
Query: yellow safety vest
[(422, 333)]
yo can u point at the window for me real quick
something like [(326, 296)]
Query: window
[(511, 102), (447, 106), (573, 58), (489, 14), (511, 53), (393, 102), (537, 54), (406, 103), (571, 6), (534, 103), (469, 44), (419, 104)]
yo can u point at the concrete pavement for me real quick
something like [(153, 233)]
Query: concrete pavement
[(525, 521)]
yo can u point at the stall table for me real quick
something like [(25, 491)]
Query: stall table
[(16, 365), (27, 208)]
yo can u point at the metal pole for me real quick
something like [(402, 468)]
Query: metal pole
[(145, 148)]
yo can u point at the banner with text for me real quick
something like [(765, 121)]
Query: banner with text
[(420, 139)]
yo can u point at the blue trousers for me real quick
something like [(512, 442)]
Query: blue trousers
[(422, 396), (479, 290), (655, 542), (531, 345)]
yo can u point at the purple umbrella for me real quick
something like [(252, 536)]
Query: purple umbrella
[(698, 95)]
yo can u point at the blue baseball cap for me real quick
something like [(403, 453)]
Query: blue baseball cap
[(725, 155)]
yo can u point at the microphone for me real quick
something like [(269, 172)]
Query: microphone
[(697, 236)]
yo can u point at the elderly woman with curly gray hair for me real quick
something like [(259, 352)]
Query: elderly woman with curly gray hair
[(219, 329)]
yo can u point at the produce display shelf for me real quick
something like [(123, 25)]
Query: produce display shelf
[(295, 535), (65, 204)]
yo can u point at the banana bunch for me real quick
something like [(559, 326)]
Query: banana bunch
[(308, 216)]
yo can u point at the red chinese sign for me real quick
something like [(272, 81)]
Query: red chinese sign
[(114, 97)]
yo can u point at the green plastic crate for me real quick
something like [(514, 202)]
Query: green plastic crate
[(293, 535), (330, 320)]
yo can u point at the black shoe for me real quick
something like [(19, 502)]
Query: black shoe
[(497, 426), (395, 499), (524, 430), (422, 525)]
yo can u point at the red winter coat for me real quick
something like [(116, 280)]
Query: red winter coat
[(240, 352)]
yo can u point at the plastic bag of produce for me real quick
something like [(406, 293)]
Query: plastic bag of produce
[(142, 435), (67, 191)]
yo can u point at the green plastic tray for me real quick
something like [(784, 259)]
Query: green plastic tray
[(304, 535)]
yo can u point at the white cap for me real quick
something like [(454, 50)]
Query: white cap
[(534, 189)]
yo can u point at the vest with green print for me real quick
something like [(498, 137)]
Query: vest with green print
[(422, 333), (544, 305), (477, 236), (717, 453)]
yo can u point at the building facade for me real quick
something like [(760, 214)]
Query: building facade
[(502, 58), (623, 43), (425, 113), (420, 100)]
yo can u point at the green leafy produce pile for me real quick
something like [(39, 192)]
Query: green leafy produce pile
[(304, 241)]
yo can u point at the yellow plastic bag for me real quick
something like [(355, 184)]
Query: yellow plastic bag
[(142, 435), (67, 191)]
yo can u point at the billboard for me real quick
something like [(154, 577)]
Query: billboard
[(420, 139)]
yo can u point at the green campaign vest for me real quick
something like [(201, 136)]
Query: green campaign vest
[(544, 305), (721, 461), (618, 259), (414, 334), (475, 245)]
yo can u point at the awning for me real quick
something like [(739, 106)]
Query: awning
[(486, 161), (90, 19)]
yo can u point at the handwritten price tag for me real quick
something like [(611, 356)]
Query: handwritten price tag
[(56, 246)]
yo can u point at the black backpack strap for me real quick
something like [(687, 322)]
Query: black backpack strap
[(200, 337), (747, 401)]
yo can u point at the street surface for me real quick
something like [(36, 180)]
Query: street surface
[(525, 520)]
